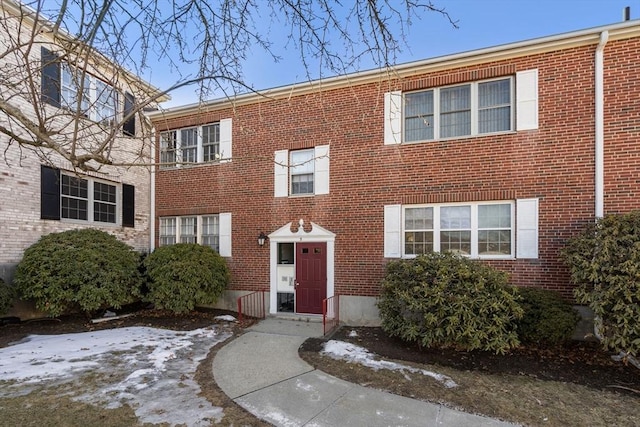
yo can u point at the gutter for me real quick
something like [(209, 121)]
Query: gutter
[(152, 195), (599, 125)]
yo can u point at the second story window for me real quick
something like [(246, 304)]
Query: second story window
[(197, 144), (301, 167), (462, 110)]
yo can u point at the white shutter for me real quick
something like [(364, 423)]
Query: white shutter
[(225, 234), (281, 173), (225, 139), (527, 228), (392, 118), (392, 231), (527, 100), (321, 160)]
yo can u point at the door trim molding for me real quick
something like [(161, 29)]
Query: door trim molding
[(285, 235)]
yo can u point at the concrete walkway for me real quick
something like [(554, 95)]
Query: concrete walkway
[(261, 371)]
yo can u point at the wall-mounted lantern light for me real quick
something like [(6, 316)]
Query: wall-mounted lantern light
[(262, 238)]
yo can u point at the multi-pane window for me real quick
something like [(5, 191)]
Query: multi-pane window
[(75, 198), (494, 229), (190, 145), (167, 231), (418, 226), (204, 230), (106, 103), (104, 202), (82, 199), (188, 229), (461, 110), (168, 147), (211, 142), (476, 230), (301, 168), (211, 232), (74, 84)]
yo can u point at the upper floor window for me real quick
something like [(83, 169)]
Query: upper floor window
[(301, 164), (462, 110), (301, 172), (196, 144), (64, 85), (81, 198)]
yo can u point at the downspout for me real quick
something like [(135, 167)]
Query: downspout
[(599, 119), (152, 198)]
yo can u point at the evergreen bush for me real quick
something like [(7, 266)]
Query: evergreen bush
[(441, 299), (604, 260), (85, 269), (548, 319), (7, 296), (184, 275)]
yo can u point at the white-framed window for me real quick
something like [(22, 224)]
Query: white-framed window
[(99, 99), (213, 230), (477, 230), (168, 231), (197, 144), (211, 142), (88, 199), (302, 172), (301, 169), (461, 110)]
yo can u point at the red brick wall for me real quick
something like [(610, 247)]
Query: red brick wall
[(554, 163)]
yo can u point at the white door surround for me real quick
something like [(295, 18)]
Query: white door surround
[(285, 235)]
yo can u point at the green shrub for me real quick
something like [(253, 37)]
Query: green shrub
[(83, 269), (444, 300), (547, 319), (184, 275), (604, 260), (7, 295)]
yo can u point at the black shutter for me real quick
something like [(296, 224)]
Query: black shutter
[(49, 193), (50, 90), (128, 205), (129, 126)]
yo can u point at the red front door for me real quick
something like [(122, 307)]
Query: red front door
[(311, 277)]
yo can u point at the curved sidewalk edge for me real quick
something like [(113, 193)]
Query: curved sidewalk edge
[(261, 371)]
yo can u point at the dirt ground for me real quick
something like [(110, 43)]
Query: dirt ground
[(577, 384)]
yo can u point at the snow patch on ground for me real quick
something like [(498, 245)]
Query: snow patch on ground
[(226, 318), (141, 367), (352, 353)]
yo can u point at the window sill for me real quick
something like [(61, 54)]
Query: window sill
[(457, 138)]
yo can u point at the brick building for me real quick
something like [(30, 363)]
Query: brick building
[(500, 154), (41, 191)]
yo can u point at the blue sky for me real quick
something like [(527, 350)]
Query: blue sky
[(482, 23)]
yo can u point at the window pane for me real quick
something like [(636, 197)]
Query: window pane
[(418, 218), (188, 229), (103, 212), (494, 216), (458, 242), (301, 162), (418, 243), (455, 217), (302, 184), (494, 242), (168, 148), (106, 103), (418, 114), (455, 111), (167, 231), (210, 232), (211, 142), (104, 206), (494, 102), (76, 187), (74, 208), (189, 145)]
